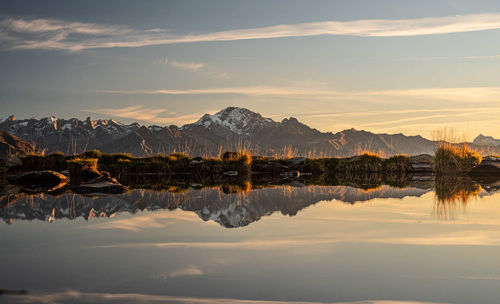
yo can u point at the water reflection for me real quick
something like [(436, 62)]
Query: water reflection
[(366, 244), (224, 205), (452, 195), (242, 203)]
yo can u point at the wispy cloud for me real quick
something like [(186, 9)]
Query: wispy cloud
[(138, 224), (191, 66), (153, 115), (88, 297), (183, 272), (459, 94), (461, 238), (75, 36)]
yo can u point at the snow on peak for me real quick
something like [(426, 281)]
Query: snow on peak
[(238, 120)]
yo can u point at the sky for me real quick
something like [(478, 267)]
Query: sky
[(384, 66)]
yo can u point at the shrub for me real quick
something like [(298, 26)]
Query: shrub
[(55, 161), (91, 154), (455, 158), (179, 155), (83, 169), (367, 162), (396, 163)]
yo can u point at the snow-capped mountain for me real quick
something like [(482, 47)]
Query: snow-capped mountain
[(486, 141), (229, 129), (233, 121), (68, 136)]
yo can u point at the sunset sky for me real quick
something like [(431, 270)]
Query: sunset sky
[(383, 66)]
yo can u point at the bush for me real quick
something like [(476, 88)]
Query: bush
[(367, 162), (91, 154), (455, 158), (82, 170), (55, 161), (396, 163)]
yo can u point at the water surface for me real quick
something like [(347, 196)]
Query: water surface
[(284, 243)]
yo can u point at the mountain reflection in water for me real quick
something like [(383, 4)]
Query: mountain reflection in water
[(237, 206)]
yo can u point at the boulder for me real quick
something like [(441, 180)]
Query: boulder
[(104, 184), (269, 167), (422, 163), (230, 155), (13, 161), (290, 174), (297, 160), (42, 181), (490, 165)]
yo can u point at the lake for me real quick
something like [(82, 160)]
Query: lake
[(284, 243)]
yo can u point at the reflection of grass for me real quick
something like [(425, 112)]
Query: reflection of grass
[(3, 175), (453, 192)]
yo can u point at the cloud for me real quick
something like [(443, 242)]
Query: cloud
[(459, 238), (139, 223), (183, 272), (463, 94), (74, 36), (89, 297), (153, 115), (191, 66)]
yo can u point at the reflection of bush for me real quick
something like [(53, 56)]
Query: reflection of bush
[(3, 175), (453, 192)]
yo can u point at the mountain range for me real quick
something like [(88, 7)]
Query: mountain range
[(229, 129), (229, 210)]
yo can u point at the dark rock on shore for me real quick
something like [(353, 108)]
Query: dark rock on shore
[(422, 163), (104, 184), (490, 165), (42, 181)]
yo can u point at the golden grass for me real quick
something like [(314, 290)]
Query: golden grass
[(452, 154)]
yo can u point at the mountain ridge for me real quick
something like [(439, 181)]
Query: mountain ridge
[(232, 128)]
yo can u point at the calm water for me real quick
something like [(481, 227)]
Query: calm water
[(292, 244)]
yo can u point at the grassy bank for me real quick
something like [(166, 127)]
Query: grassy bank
[(120, 164)]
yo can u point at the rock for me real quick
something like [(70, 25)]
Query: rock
[(290, 174), (230, 155), (65, 173), (297, 184), (490, 159), (231, 173), (297, 160), (102, 184), (42, 181), (196, 162), (422, 163), (13, 161), (490, 165), (270, 167)]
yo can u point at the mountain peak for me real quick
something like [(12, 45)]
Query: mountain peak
[(237, 120), (484, 140)]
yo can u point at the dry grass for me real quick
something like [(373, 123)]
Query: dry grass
[(452, 154)]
